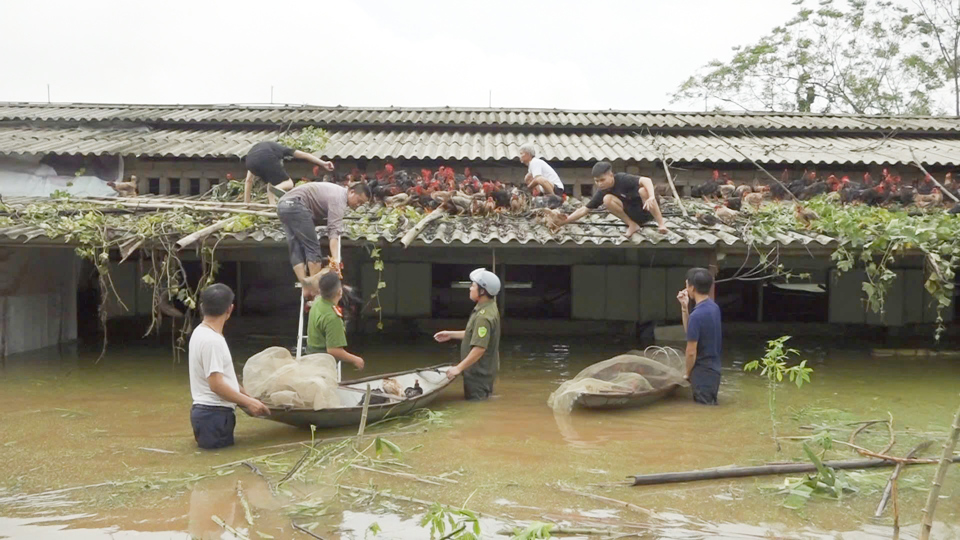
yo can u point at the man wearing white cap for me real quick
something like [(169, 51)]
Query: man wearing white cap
[(480, 341)]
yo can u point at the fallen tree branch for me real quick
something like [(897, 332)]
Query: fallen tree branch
[(623, 504), (408, 476), (415, 231), (204, 232), (766, 470), (888, 490), (304, 530)]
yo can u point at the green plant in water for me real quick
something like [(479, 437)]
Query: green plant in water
[(462, 524), (774, 366), (534, 531), (827, 483)]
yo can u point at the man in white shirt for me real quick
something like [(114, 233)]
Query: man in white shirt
[(213, 381), (539, 173)]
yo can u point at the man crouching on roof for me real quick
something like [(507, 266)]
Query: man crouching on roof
[(627, 196), (480, 341)]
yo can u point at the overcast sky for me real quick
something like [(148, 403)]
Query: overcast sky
[(554, 54)]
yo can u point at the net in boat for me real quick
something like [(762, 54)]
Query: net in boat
[(276, 378), (636, 371)]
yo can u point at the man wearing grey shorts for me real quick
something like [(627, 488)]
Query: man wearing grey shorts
[(305, 207)]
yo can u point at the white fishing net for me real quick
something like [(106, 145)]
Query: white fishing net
[(276, 378), (634, 372)]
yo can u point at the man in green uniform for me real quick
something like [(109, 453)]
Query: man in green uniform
[(326, 332), (480, 341)]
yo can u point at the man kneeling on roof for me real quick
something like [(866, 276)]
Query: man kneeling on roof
[(540, 174), (301, 210), (627, 196), (480, 341), (326, 332)]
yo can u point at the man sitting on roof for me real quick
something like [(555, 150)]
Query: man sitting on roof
[(265, 160), (539, 173), (301, 210), (627, 196)]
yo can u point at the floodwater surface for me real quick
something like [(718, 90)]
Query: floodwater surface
[(105, 450)]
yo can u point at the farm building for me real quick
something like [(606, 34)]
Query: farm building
[(586, 278)]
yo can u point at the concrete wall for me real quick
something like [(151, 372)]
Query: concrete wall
[(907, 301), (38, 298)]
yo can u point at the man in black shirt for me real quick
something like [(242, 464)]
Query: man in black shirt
[(265, 160), (627, 196)]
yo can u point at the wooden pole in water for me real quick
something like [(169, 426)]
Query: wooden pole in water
[(759, 470), (945, 460)]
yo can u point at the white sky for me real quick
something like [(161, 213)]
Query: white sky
[(580, 54)]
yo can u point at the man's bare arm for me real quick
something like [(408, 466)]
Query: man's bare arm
[(577, 214), (220, 387), (691, 356)]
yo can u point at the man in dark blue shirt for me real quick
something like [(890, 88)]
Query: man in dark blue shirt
[(702, 326)]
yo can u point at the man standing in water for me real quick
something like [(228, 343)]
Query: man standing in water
[(480, 341), (213, 381), (629, 197), (702, 326), (265, 161)]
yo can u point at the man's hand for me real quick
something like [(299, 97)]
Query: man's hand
[(327, 166), (684, 299), (453, 372), (358, 363), (443, 336), (648, 204), (257, 408), (337, 267)]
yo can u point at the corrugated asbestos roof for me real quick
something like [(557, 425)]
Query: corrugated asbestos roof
[(240, 115), (477, 146), (596, 229)]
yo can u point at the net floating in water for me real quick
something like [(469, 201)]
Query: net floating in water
[(276, 378), (635, 372)]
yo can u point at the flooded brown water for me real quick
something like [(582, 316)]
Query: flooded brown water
[(68, 422)]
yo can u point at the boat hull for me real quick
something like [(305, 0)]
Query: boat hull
[(351, 416), (622, 401)]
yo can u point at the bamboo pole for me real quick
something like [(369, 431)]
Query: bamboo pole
[(945, 191), (761, 470), (363, 416), (204, 232), (945, 460), (250, 206), (673, 187), (168, 206), (415, 231)]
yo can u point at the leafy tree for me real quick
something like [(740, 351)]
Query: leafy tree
[(850, 56), (938, 25)]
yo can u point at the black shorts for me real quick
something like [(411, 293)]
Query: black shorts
[(477, 389), (635, 211), (267, 167), (301, 231), (705, 384), (212, 426)]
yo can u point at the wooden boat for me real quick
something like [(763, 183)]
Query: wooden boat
[(622, 400), (432, 380)]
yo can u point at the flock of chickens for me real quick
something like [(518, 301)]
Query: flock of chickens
[(730, 199), (468, 193)]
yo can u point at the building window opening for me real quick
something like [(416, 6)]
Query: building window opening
[(529, 291)]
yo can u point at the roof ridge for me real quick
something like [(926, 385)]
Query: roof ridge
[(301, 107)]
